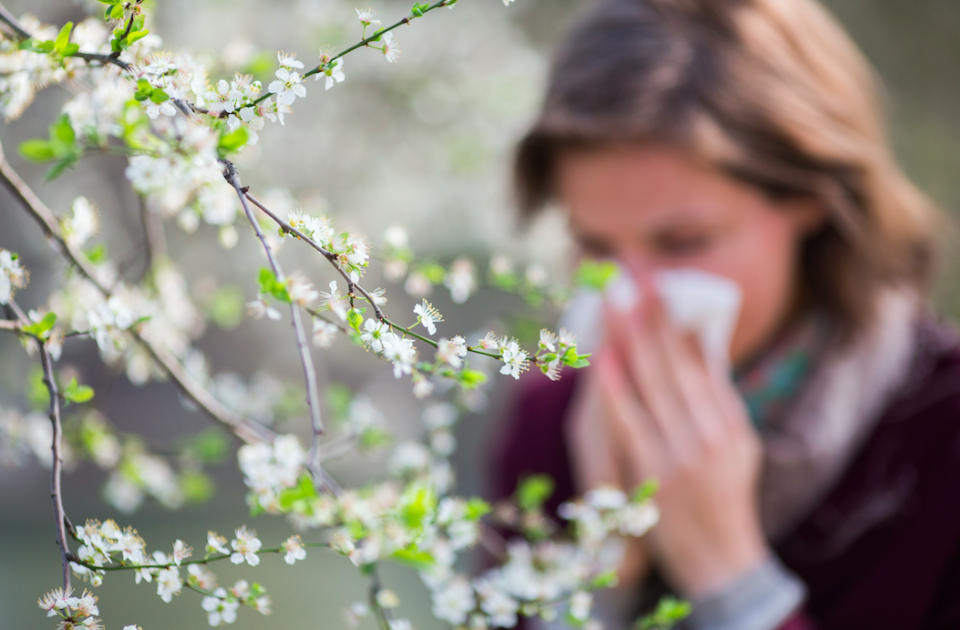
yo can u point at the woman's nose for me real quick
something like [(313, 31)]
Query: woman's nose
[(639, 267)]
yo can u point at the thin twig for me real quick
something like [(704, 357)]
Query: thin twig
[(136, 567), (114, 58), (7, 18), (306, 360), (381, 613), (55, 490), (354, 286), (363, 42), (246, 429)]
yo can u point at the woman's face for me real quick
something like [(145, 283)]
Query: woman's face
[(653, 207)]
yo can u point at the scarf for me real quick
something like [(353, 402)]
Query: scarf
[(817, 403)]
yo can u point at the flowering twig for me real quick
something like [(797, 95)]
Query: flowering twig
[(246, 429), (355, 287), (136, 567), (113, 58), (313, 399), (363, 42)]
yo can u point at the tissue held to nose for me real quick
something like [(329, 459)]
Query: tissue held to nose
[(697, 302)]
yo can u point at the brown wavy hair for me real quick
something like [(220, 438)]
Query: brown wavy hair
[(771, 92)]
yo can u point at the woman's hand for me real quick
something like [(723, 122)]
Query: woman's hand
[(675, 419)]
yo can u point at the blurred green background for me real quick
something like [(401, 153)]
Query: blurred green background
[(425, 144)]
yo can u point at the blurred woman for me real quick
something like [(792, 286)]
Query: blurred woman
[(817, 483)]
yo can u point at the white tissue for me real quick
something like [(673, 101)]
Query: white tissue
[(696, 301)]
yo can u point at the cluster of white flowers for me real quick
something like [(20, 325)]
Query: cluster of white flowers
[(269, 469), (12, 275), (606, 511), (106, 545), (76, 612)]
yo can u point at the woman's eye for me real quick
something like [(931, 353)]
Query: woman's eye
[(686, 245)]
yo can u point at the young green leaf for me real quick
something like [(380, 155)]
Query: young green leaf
[(534, 491), (77, 393)]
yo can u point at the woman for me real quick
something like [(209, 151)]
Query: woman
[(819, 485)]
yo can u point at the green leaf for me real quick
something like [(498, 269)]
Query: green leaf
[(669, 611), (70, 50), (57, 169), (470, 379), (373, 438), (596, 274), (36, 150), (413, 558), (210, 446), (534, 491), (33, 45), (116, 12), (42, 328), (62, 134), (477, 508), (355, 318), (197, 486), (645, 491), (96, 254), (433, 272), (605, 580), (297, 497), (144, 90), (233, 141), (63, 37), (417, 505), (157, 95), (76, 393), (581, 362), (135, 36), (225, 308), (269, 285)]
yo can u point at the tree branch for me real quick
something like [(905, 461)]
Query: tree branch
[(7, 18), (55, 491), (306, 360), (246, 429)]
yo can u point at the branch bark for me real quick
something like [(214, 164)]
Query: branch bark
[(55, 491), (306, 360)]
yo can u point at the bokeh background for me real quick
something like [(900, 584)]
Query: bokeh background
[(425, 144)]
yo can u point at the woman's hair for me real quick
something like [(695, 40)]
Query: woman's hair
[(771, 92)]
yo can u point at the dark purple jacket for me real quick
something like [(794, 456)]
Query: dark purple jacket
[(882, 550)]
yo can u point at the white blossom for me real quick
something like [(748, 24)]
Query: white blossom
[(288, 86), (428, 316), (400, 351), (12, 275), (245, 547), (367, 16), (514, 359), (323, 333), (220, 607), (333, 73), (334, 301), (454, 601), (294, 549), (390, 48), (168, 583), (373, 334)]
